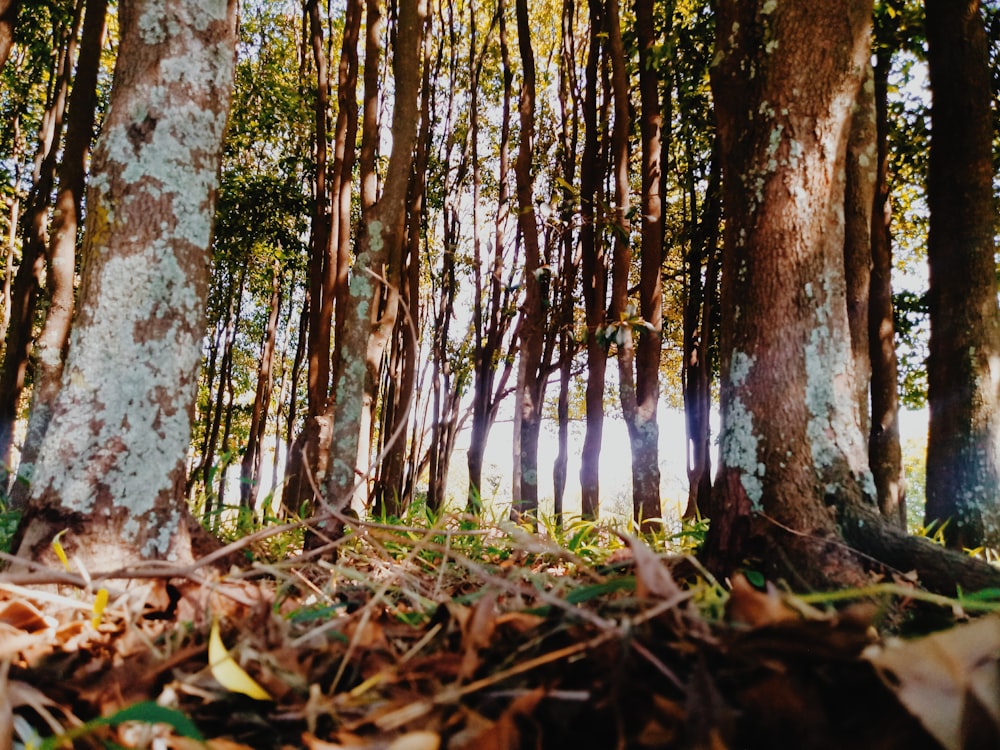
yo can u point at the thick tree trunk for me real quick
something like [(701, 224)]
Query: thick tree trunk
[(53, 340), (963, 473), (791, 444), (793, 473), (884, 452), (112, 467)]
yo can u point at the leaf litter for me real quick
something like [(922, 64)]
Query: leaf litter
[(411, 638)]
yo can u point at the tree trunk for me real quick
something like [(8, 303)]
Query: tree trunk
[(250, 465), (699, 335), (112, 467), (53, 340), (884, 452), (569, 139), (380, 237), (645, 430), (862, 166), (490, 322), (791, 445), (963, 476), (793, 474), (530, 391), (28, 280), (391, 496), (595, 274)]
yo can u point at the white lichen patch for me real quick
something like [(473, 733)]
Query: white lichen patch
[(768, 7), (739, 368), (738, 448), (832, 431)]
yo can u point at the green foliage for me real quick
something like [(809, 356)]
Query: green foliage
[(9, 519)]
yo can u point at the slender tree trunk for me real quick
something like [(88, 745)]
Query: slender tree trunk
[(210, 472), (862, 172), (963, 475), (699, 334), (250, 465), (884, 452), (380, 237), (530, 388), (112, 467), (489, 339), (569, 139), (53, 340), (393, 495), (645, 430), (28, 280), (321, 310), (595, 273)]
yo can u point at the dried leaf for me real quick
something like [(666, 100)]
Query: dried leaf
[(950, 681), (228, 673), (749, 606), (652, 579), (23, 616)]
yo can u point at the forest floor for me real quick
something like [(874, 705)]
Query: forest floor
[(455, 635)]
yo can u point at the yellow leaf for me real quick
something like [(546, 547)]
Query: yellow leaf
[(228, 673), (100, 602), (60, 552)]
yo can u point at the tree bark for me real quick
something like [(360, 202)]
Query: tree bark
[(112, 468), (793, 474), (699, 336), (963, 474)]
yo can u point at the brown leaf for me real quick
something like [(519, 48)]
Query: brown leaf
[(748, 606), (652, 579), (950, 681), (477, 633), (23, 616)]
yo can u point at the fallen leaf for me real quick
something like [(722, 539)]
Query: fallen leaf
[(228, 673), (748, 606), (652, 579), (950, 681)]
